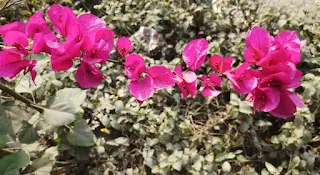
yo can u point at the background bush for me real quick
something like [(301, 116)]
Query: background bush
[(168, 134)]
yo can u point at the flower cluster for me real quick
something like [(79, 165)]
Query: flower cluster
[(269, 85), (85, 38), (267, 76)]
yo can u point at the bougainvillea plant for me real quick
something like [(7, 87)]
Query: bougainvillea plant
[(267, 76)]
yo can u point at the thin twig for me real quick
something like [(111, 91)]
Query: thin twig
[(21, 98)]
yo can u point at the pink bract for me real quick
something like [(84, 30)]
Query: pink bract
[(15, 26), (36, 24), (91, 22), (220, 65), (195, 52), (88, 75), (134, 66), (162, 77), (208, 85), (142, 89), (187, 82), (124, 46)]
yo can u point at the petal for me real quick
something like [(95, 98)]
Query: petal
[(259, 39), (36, 24), (88, 76), (195, 52), (91, 22), (227, 64), (215, 80), (178, 70), (134, 66), (15, 38), (296, 99), (286, 107), (216, 63), (204, 82), (124, 46), (192, 88), (162, 77), (210, 92), (190, 77), (15, 26), (142, 89)]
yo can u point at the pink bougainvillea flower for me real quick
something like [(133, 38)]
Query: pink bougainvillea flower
[(280, 76), (134, 66), (30, 69), (220, 65), (142, 89), (274, 57), (265, 99), (62, 19), (36, 24), (12, 64), (91, 22), (43, 42), (187, 82), (75, 41), (289, 41), (162, 77), (243, 80), (98, 45), (124, 46), (17, 39), (208, 85), (88, 75), (258, 44), (195, 52), (60, 59), (15, 26), (288, 104)]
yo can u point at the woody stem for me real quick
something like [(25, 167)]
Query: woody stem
[(21, 98)]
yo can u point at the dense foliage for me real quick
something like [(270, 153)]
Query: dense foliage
[(167, 134)]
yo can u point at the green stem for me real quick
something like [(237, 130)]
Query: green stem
[(21, 98)]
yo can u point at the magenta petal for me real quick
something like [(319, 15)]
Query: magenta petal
[(88, 76), (60, 60), (266, 99), (286, 107), (190, 77), (11, 64), (131, 64), (15, 26), (36, 24), (91, 22), (124, 46), (162, 77), (295, 99), (210, 92), (215, 80), (15, 38), (204, 82), (195, 52), (142, 89), (192, 88)]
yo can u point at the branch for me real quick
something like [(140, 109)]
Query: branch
[(21, 98)]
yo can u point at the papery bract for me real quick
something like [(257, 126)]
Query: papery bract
[(195, 52), (36, 24), (12, 64), (60, 59), (124, 46), (289, 41), (91, 22), (162, 77), (258, 44), (98, 45), (187, 82), (134, 66), (62, 19), (266, 99), (15, 26), (142, 89), (43, 42), (288, 105), (17, 39), (220, 65), (88, 75), (243, 80), (208, 85)]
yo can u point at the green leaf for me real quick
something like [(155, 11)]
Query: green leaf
[(226, 167), (28, 134), (81, 134), (3, 140), (61, 112), (42, 166), (177, 165), (5, 123), (118, 106), (244, 108), (27, 86), (271, 168), (76, 95), (10, 165), (119, 141)]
